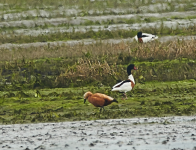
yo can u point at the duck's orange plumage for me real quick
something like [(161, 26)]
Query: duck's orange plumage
[(98, 99)]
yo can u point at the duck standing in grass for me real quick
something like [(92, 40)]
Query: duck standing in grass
[(98, 99), (126, 85), (145, 37)]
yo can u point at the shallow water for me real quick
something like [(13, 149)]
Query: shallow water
[(43, 19), (136, 133), (180, 23), (52, 11)]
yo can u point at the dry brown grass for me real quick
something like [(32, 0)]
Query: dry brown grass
[(154, 50), (169, 50), (87, 70)]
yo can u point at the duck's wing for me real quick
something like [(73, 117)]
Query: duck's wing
[(125, 85), (148, 37), (117, 84), (103, 96), (96, 100)]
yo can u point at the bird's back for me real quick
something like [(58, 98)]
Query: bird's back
[(117, 84), (100, 100), (146, 37)]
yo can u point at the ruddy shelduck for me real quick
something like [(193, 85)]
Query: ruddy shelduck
[(98, 99)]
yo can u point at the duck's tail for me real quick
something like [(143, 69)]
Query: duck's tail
[(114, 100)]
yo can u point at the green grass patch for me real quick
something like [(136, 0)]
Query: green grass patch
[(149, 99)]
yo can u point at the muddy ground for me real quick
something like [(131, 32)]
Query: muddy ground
[(137, 133)]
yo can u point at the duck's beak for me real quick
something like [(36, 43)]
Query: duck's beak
[(135, 68), (84, 101)]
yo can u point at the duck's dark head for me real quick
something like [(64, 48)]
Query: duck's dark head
[(129, 68), (139, 35)]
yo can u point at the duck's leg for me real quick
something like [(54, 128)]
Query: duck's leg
[(102, 108), (125, 95)]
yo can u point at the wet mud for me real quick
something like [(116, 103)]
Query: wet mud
[(136, 133)]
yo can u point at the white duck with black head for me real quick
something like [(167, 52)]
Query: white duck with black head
[(126, 85), (145, 37)]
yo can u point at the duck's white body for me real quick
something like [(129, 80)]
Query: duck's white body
[(146, 37), (126, 86)]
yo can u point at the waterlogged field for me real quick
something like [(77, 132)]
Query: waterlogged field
[(44, 82), (45, 21)]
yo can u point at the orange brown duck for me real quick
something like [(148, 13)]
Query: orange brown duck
[(98, 99)]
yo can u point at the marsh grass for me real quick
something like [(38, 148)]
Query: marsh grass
[(99, 63), (46, 84), (119, 53), (29, 94)]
